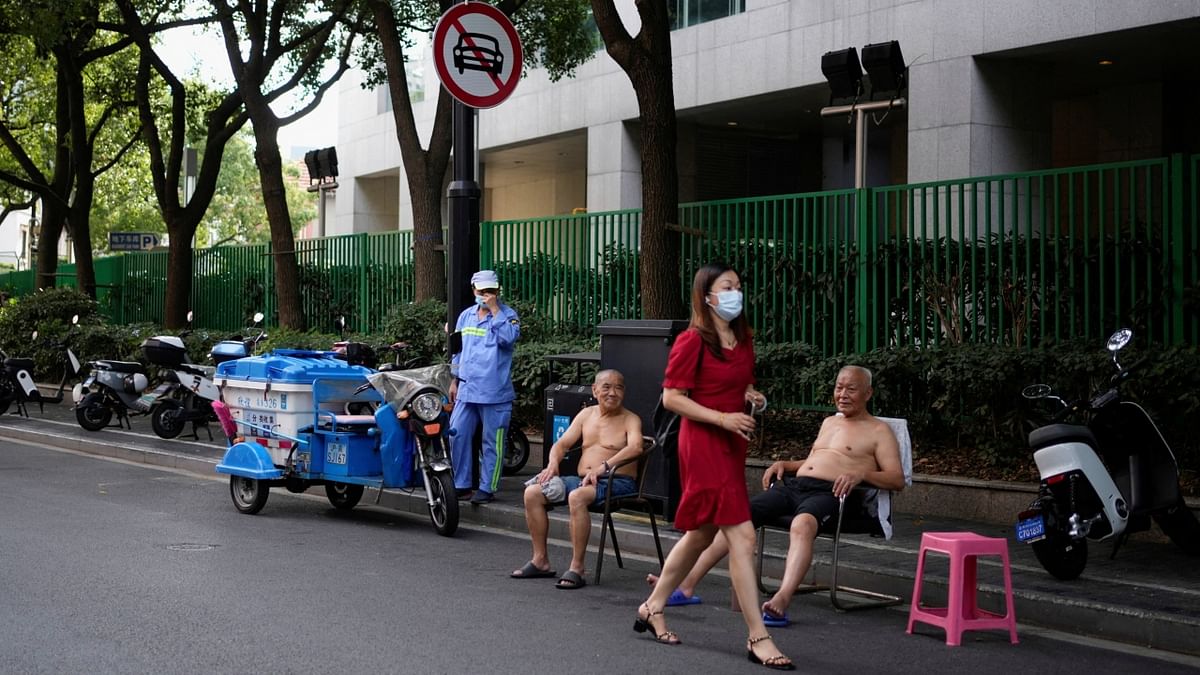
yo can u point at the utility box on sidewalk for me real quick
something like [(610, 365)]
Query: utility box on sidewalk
[(639, 348), (562, 401)]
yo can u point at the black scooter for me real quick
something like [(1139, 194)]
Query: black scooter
[(1102, 478)]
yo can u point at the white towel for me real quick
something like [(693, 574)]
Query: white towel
[(883, 505)]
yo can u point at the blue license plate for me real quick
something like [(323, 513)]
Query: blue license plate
[(1031, 529)]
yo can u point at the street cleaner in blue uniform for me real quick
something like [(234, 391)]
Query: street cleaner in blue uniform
[(482, 387)]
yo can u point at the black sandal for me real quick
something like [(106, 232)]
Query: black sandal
[(779, 662), (641, 625)]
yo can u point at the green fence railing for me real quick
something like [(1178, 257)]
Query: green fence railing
[(1026, 259), (580, 269)]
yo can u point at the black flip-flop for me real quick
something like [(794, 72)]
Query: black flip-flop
[(570, 581), (531, 571)]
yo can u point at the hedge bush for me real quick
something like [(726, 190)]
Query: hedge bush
[(966, 398)]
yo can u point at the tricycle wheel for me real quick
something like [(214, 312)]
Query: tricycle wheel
[(343, 496), (516, 455), (249, 494), (93, 413), (443, 507), (166, 418)]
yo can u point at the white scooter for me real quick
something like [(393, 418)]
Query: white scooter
[(17, 385), (1103, 479)]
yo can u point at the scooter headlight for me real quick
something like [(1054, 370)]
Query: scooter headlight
[(427, 406)]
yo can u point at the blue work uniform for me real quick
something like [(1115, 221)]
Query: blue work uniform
[(485, 391)]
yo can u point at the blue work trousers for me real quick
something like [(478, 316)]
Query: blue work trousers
[(463, 422)]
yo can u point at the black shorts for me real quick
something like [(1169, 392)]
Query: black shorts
[(791, 497)]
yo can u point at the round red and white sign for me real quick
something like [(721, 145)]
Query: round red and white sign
[(477, 54)]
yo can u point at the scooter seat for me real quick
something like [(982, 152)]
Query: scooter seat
[(1061, 433), (121, 366), (198, 369), (19, 363)]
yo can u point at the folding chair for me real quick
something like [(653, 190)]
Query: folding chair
[(867, 510)]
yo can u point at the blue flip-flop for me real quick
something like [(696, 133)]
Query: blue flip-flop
[(772, 621), (678, 599)]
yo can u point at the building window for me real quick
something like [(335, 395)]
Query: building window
[(686, 13)]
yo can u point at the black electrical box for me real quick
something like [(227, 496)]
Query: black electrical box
[(639, 349), (561, 403)]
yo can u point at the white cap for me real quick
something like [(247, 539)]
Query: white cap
[(485, 279)]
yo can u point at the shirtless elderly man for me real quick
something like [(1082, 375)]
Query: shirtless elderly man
[(851, 448), (611, 434)]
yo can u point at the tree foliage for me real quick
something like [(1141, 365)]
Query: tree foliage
[(57, 151)]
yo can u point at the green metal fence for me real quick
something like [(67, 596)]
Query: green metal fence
[(580, 269), (1025, 259)]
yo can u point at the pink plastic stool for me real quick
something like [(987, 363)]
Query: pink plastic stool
[(962, 613)]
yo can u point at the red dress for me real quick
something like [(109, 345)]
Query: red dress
[(712, 461)]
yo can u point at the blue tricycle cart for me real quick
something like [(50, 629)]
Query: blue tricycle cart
[(286, 418)]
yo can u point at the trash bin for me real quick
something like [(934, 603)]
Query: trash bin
[(639, 348), (562, 400)]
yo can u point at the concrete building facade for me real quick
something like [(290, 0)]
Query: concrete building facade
[(994, 86)]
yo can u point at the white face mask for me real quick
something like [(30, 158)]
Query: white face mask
[(729, 304)]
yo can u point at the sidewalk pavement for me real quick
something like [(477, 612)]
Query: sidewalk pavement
[(1148, 595)]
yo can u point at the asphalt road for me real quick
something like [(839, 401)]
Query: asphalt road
[(107, 566)]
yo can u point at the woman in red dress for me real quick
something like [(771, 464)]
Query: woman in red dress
[(709, 381)]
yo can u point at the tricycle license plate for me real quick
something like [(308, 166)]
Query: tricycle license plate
[(335, 453), (1031, 529)]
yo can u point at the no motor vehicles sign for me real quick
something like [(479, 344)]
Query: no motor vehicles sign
[(477, 54)]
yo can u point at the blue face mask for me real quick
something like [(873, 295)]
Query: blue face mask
[(480, 300), (729, 304)]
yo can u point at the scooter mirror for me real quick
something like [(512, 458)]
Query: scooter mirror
[(35, 334), (1119, 339), (75, 320), (1036, 391), (189, 316), (341, 323), (258, 317)]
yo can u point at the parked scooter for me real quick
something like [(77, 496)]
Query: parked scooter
[(17, 385), (1103, 479), (185, 392)]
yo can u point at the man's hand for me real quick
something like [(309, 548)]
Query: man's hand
[(546, 474), (591, 478), (773, 473), (492, 302), (845, 483), (453, 391)]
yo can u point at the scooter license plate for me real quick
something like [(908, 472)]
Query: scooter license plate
[(1031, 529)]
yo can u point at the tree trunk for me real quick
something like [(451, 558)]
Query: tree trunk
[(425, 170), (429, 255), (179, 275), (283, 242), (659, 263), (646, 60), (51, 229)]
